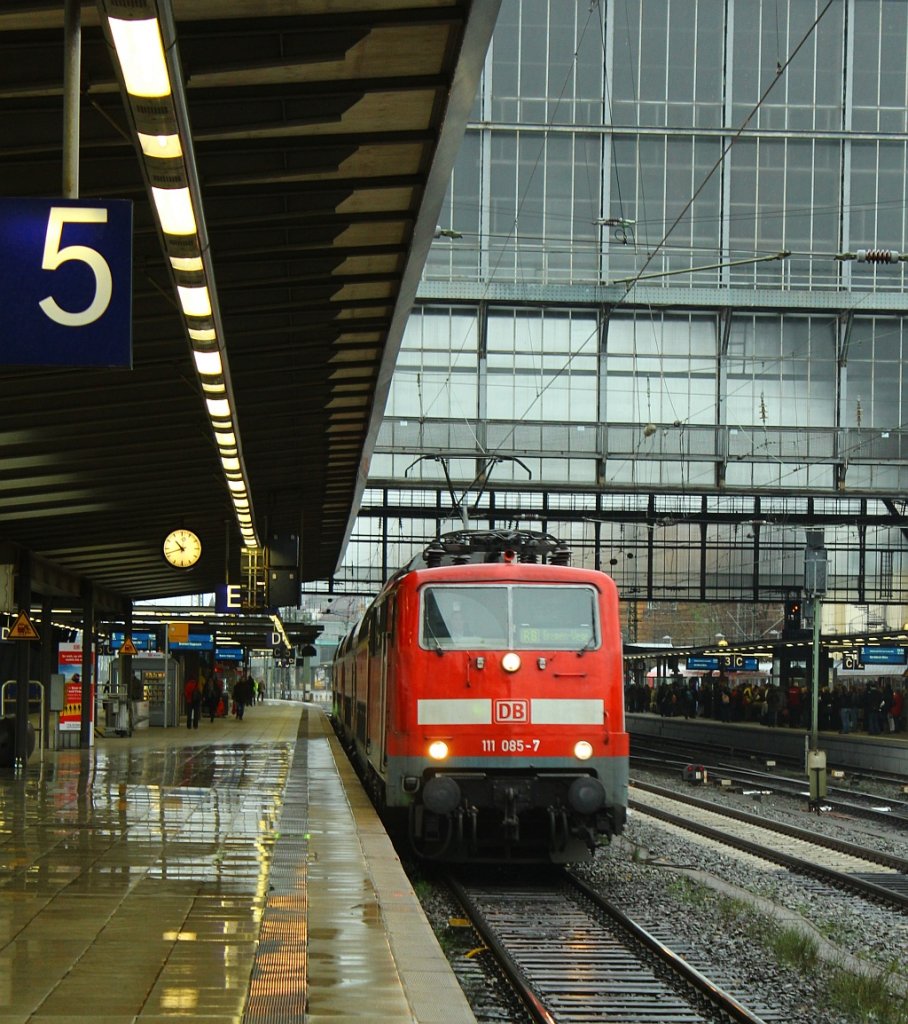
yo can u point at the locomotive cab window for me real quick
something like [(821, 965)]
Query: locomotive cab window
[(557, 618), (465, 617), (561, 618)]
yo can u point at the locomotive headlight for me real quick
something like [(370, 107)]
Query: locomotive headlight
[(438, 750), (583, 750), (510, 662)]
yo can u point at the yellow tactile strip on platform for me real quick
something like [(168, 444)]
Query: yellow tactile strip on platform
[(278, 986)]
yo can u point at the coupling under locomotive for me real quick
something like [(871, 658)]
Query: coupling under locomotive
[(481, 696)]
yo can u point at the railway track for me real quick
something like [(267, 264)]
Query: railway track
[(880, 806), (574, 958), (875, 807), (877, 876)]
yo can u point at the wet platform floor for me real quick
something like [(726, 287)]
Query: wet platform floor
[(234, 873)]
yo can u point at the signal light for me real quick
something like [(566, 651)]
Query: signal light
[(792, 619)]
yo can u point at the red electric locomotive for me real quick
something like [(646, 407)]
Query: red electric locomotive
[(481, 696)]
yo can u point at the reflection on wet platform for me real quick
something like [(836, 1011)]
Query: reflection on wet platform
[(134, 877), (232, 875)]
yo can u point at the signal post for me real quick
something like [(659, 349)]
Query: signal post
[(815, 565)]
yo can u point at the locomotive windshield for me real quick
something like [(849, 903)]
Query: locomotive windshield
[(561, 618)]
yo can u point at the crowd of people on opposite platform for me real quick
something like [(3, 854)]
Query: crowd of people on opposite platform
[(213, 695), (875, 707)]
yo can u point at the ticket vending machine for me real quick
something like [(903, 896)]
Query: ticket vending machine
[(159, 687)]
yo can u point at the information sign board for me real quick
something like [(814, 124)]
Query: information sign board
[(696, 663), (194, 642), (143, 641), (883, 655), (739, 663), (65, 282), (228, 653)]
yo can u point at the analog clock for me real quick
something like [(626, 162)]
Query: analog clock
[(182, 548)]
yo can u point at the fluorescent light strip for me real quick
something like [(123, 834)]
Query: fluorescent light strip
[(189, 265), (144, 67), (161, 147), (198, 334), (174, 206), (194, 301), (218, 407), (141, 55)]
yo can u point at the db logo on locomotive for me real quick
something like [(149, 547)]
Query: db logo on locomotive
[(512, 711)]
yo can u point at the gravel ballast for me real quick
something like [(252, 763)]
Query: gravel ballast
[(718, 910)]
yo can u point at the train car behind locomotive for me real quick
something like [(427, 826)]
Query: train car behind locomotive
[(483, 701)]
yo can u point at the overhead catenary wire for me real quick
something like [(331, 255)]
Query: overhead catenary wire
[(780, 70), (630, 283)]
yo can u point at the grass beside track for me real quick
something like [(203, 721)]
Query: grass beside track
[(861, 998)]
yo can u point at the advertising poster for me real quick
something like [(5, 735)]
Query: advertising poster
[(70, 665)]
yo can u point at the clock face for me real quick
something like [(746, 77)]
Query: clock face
[(182, 548)]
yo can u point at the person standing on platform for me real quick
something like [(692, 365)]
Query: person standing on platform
[(873, 698), (887, 724), (773, 698), (794, 706), (898, 710), (192, 694)]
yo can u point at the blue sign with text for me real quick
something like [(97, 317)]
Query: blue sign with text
[(695, 663), (65, 282), (196, 642), (739, 663), (228, 653), (143, 641), (883, 655), (228, 598)]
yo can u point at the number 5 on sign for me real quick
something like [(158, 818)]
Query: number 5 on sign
[(65, 282), (54, 256)]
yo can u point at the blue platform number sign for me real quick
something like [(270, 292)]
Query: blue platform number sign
[(65, 282)]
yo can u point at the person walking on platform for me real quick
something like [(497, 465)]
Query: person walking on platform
[(210, 696), (240, 695), (192, 694)]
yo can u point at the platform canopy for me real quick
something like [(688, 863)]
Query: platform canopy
[(324, 132)]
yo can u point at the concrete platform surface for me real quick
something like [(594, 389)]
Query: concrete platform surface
[(231, 873)]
